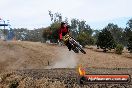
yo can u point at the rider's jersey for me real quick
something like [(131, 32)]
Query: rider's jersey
[(62, 32)]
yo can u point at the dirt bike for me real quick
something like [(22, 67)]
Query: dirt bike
[(76, 47)]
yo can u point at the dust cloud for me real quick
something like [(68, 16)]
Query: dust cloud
[(66, 60)]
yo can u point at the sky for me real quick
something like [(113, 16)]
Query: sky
[(34, 13)]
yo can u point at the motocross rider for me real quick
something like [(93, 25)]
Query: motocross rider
[(64, 29)]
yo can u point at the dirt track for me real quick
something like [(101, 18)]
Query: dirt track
[(26, 56), (29, 55)]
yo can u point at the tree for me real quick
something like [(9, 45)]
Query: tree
[(81, 25), (105, 40), (54, 28), (129, 45), (78, 27), (28, 35), (56, 17), (95, 35), (20, 33), (116, 32), (45, 34), (51, 32), (128, 31), (119, 48), (128, 35), (74, 26), (85, 39), (129, 24), (82, 37)]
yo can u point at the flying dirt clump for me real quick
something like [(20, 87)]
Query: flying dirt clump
[(66, 59)]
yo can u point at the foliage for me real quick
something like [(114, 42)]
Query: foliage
[(105, 40), (119, 48), (20, 33), (54, 28), (128, 35), (129, 45), (95, 35), (51, 32), (82, 32), (116, 32), (55, 17), (82, 38), (24, 34), (79, 26), (128, 31), (45, 34), (129, 23), (85, 39)]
